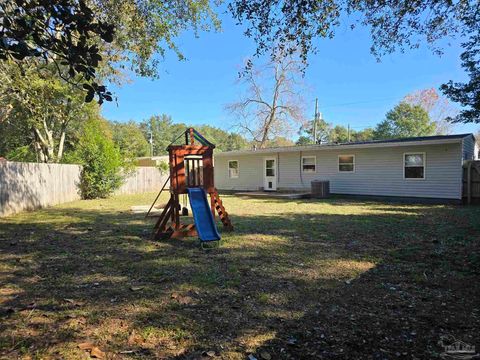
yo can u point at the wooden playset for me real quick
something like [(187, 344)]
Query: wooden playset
[(191, 172)]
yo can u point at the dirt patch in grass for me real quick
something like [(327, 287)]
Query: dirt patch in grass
[(298, 279)]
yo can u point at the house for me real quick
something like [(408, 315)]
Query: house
[(426, 167)]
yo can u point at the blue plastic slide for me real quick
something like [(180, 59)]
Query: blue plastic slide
[(204, 221)]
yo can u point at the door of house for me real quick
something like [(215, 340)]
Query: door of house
[(270, 175)]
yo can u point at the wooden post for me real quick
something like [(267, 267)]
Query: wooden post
[(208, 172), (212, 204), (192, 138)]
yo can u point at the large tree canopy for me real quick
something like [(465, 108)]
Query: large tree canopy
[(61, 32), (405, 121), (468, 94), (92, 40)]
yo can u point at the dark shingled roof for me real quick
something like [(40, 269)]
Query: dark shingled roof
[(409, 139), (332, 145)]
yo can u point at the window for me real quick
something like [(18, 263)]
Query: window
[(414, 166), (346, 163), (233, 169), (270, 167), (309, 164)]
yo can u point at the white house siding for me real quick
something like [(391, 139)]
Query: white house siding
[(469, 148), (250, 172), (378, 171)]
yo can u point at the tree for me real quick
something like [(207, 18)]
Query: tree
[(80, 36), (322, 131), (235, 142), (363, 135), (340, 134), (405, 121), (304, 140), (272, 102), (101, 162), (147, 29), (129, 139), (438, 108), (468, 94), (280, 141), (163, 131), (294, 25), (223, 140), (42, 109), (394, 25), (63, 32)]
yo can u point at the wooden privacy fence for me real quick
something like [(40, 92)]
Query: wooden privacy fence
[(144, 179), (29, 186), (471, 181)]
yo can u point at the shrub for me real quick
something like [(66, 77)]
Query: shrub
[(163, 167), (101, 160)]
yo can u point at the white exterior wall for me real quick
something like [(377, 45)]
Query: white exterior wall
[(469, 148), (378, 171)]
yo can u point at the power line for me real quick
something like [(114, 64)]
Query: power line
[(360, 102)]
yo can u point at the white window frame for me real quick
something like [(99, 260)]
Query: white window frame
[(314, 163), (228, 169), (338, 164), (424, 165)]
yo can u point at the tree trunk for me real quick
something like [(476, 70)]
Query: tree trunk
[(61, 142)]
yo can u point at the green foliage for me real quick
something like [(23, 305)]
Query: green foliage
[(41, 109), (279, 141), (164, 131), (304, 140), (322, 129), (468, 94), (60, 31), (363, 135), (405, 121), (129, 138), (21, 154), (101, 160), (339, 134), (223, 140), (163, 167), (146, 30)]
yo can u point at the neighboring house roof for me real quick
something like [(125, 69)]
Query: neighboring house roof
[(420, 140)]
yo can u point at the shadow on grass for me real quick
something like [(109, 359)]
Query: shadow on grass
[(291, 285)]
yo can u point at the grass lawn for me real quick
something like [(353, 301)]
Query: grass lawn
[(298, 279)]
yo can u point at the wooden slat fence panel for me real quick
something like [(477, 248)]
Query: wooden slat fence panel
[(29, 186), (144, 179), (474, 180)]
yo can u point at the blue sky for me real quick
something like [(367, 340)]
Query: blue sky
[(352, 87)]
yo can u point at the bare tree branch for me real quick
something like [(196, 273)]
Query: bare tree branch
[(273, 101)]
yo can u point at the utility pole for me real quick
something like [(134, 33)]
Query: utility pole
[(315, 122), (348, 132)]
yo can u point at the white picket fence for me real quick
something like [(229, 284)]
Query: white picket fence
[(29, 186)]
